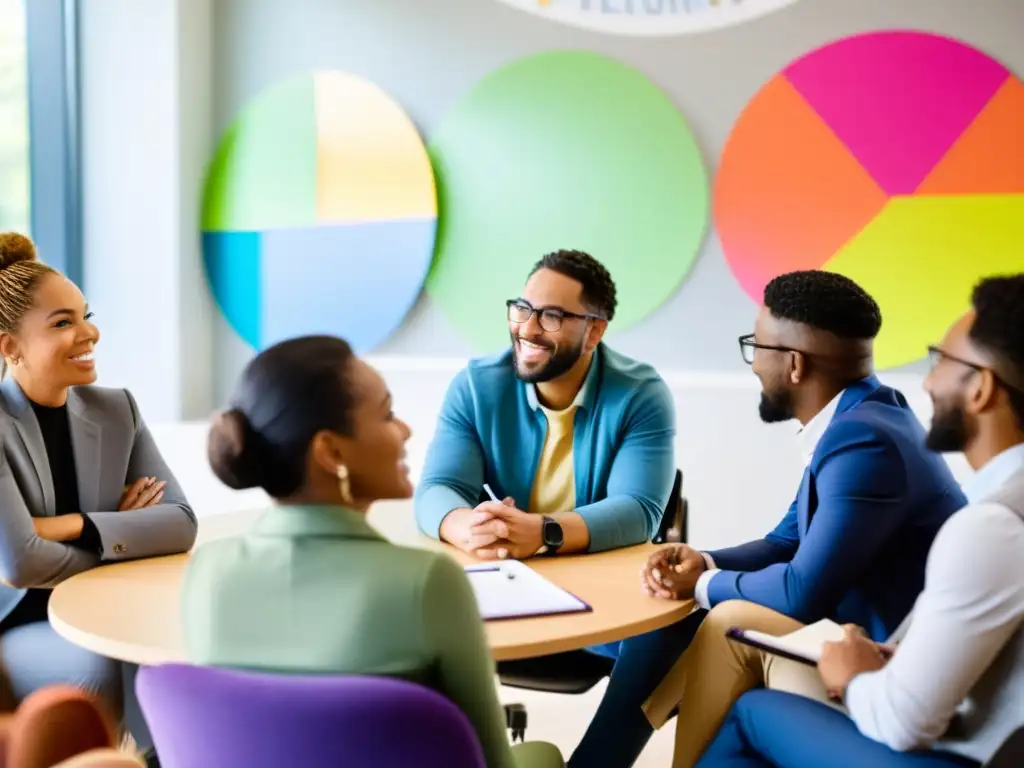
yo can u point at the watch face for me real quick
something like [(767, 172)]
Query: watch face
[(553, 536)]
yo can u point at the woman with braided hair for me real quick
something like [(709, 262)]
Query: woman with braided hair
[(81, 479)]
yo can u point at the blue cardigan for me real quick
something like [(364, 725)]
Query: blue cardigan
[(854, 543), (491, 430)]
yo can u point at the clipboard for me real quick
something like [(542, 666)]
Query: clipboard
[(513, 590), (769, 644), (802, 646)]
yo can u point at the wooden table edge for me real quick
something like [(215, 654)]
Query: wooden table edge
[(565, 643), (129, 653), (149, 655)]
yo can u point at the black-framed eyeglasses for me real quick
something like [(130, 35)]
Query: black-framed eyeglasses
[(936, 356), (748, 346), (549, 318)]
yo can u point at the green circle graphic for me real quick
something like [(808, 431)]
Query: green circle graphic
[(567, 149)]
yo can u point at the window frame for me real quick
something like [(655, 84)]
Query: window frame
[(54, 133)]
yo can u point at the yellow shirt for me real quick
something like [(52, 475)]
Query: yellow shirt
[(554, 484)]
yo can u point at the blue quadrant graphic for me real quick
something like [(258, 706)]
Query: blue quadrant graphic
[(233, 268), (352, 280)]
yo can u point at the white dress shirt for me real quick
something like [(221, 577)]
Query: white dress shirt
[(993, 476), (971, 606), (808, 438)]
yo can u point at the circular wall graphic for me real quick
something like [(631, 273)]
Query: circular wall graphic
[(892, 158), (565, 149), (319, 214), (649, 18)]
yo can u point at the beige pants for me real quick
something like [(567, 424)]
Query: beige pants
[(715, 671)]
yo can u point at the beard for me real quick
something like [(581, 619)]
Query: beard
[(775, 408), (560, 363), (950, 431)]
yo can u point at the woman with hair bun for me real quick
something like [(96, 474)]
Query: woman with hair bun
[(81, 480), (312, 588)]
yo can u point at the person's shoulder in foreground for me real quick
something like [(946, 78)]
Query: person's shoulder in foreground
[(313, 587), (404, 611), (295, 555)]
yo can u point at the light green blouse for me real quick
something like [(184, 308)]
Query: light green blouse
[(316, 589)]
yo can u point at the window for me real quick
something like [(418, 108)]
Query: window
[(14, 138), (50, 57)]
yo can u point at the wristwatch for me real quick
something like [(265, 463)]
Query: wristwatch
[(551, 534)]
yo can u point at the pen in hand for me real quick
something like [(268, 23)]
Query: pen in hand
[(502, 553)]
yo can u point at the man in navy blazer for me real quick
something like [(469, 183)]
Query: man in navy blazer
[(852, 546), (876, 498)]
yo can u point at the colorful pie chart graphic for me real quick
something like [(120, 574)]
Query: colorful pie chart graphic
[(319, 214), (894, 158)]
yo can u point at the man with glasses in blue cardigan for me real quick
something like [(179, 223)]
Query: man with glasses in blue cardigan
[(575, 439)]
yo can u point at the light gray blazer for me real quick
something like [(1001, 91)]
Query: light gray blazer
[(112, 448)]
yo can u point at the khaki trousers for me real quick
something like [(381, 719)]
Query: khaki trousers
[(715, 671)]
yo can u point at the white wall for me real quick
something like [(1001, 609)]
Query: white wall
[(146, 137), (740, 474)]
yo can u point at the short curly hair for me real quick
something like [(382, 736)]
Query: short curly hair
[(598, 287), (998, 328), (826, 301)]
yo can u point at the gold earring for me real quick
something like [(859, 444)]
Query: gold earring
[(343, 484)]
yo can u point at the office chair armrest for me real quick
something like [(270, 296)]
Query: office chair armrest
[(673, 527)]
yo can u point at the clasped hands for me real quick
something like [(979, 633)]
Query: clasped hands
[(672, 572), (496, 531), (144, 492)]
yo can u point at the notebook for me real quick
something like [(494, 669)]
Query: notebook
[(803, 646), (513, 590)]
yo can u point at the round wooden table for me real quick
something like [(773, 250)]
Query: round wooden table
[(130, 611)]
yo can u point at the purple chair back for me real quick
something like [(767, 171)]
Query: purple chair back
[(204, 717)]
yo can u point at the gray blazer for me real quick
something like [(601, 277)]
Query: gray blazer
[(112, 448)]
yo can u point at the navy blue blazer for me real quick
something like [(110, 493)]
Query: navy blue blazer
[(852, 547)]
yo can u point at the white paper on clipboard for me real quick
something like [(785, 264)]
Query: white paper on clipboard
[(804, 644), (513, 590)]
